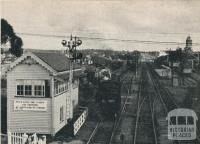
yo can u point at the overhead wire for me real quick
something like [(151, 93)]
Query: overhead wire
[(112, 39)]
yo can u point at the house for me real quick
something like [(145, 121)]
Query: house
[(39, 98), (181, 61), (101, 61), (88, 60)]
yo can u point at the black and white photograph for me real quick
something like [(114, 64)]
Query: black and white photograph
[(100, 72)]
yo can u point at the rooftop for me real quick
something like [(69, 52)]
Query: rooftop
[(58, 61)]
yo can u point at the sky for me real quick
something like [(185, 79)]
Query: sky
[(44, 24)]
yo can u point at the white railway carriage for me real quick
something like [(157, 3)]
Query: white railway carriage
[(182, 124)]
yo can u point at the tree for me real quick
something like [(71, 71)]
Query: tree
[(8, 35), (175, 56)]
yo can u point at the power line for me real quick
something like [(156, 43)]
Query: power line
[(155, 33), (138, 41), (139, 32), (113, 39)]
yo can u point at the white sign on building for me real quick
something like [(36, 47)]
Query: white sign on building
[(30, 105)]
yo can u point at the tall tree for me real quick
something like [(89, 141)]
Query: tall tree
[(8, 35), (175, 56)]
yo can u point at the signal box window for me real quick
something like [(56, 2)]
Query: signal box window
[(20, 90), (190, 120), (181, 120), (61, 114), (28, 90), (60, 87), (173, 120), (39, 90)]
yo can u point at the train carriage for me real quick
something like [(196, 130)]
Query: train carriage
[(109, 97)]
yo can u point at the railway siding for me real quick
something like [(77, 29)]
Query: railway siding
[(104, 131), (168, 103), (145, 129), (123, 131)]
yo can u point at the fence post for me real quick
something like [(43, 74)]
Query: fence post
[(40, 141), (9, 137), (44, 139), (34, 138), (24, 138), (29, 140)]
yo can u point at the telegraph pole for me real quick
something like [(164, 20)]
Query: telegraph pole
[(71, 53)]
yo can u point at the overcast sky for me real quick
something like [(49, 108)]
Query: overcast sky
[(143, 20)]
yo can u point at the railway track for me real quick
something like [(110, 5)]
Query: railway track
[(145, 129), (169, 104), (140, 127), (127, 115), (167, 100), (103, 132)]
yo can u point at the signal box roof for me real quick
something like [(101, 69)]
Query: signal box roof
[(58, 61)]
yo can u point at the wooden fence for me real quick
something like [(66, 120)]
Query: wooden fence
[(19, 138), (81, 119)]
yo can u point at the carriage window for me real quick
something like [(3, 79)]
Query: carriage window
[(181, 120), (190, 120), (173, 120)]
